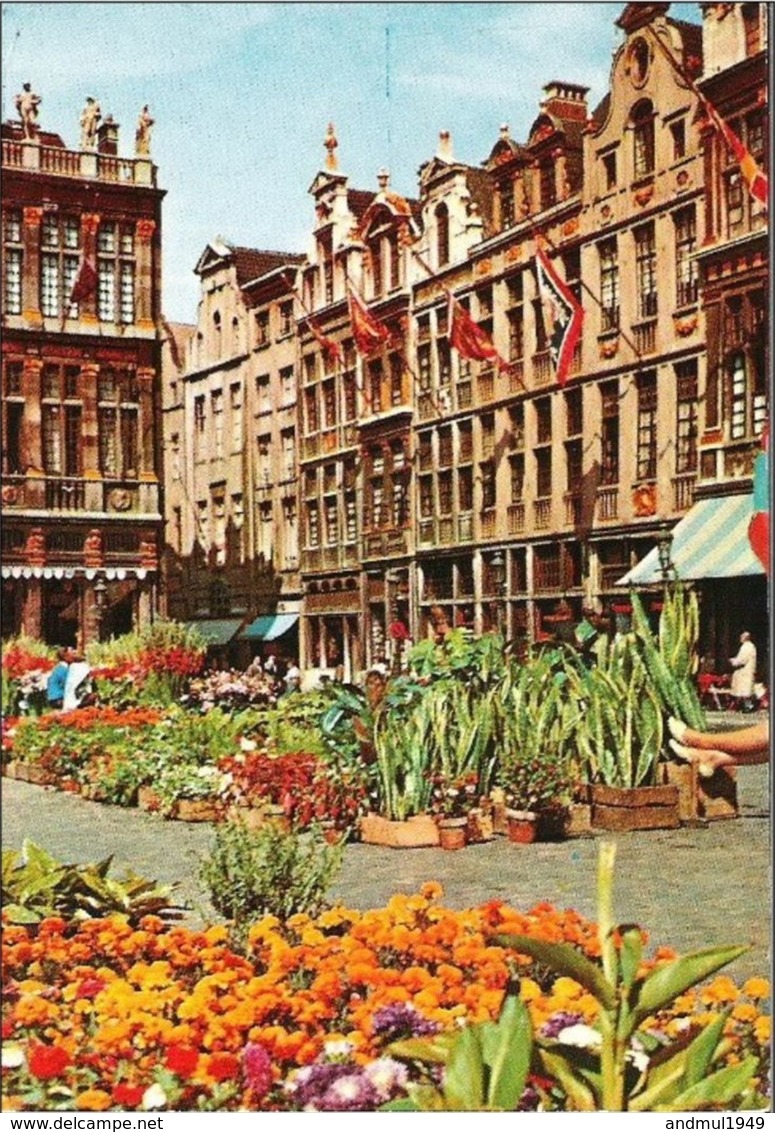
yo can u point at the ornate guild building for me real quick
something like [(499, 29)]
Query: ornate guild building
[(81, 457)]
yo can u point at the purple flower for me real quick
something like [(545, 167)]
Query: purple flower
[(401, 1020), (334, 1087), (257, 1068), (560, 1021), (530, 1099)]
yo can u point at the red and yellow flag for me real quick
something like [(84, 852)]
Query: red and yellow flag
[(469, 338), (755, 178), (368, 332)]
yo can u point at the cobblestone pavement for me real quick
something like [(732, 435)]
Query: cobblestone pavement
[(689, 888)]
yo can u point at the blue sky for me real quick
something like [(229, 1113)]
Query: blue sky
[(242, 94)]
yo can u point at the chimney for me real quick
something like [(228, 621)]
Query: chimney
[(445, 146), (107, 137), (565, 100)]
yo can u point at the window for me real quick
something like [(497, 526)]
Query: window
[(199, 427), (609, 170), (442, 235), (396, 380), (747, 395), (643, 139), (262, 328), (12, 446), (543, 412), (609, 284), (118, 425), (465, 442), (265, 531), (375, 262), (311, 417), (444, 359), (328, 394), (59, 261), (12, 280), (517, 426), (574, 412), (506, 203), (427, 508), (394, 260), (543, 473), (678, 134), (445, 493), (487, 470), (219, 528), (646, 465), (488, 433), (288, 448), (465, 489), (332, 520), (287, 386), (752, 28), (264, 452), (686, 417), (286, 318), (175, 455), (609, 395), (685, 264), (646, 270), (235, 398), (517, 477), (290, 534), (516, 318), (375, 386), (573, 466), (547, 182), (216, 406), (424, 368), (202, 523), (263, 394), (115, 273)]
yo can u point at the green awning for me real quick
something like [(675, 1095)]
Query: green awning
[(711, 541), (217, 632), (269, 628)]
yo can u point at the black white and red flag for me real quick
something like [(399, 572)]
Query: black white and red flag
[(85, 282), (565, 314)]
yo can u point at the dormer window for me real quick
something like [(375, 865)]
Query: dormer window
[(548, 183), (506, 203), (643, 139), (609, 170), (442, 235)]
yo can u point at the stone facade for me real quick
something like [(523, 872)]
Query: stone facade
[(81, 471)]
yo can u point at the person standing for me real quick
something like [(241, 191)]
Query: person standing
[(744, 675), (57, 679), (77, 683), (292, 677)]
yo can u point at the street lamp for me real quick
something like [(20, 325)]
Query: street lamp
[(100, 597), (498, 574), (664, 543)]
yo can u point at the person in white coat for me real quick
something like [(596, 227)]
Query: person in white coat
[(744, 675)]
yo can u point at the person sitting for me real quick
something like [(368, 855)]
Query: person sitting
[(55, 686), (746, 746)]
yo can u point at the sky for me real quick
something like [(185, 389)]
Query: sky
[(242, 94)]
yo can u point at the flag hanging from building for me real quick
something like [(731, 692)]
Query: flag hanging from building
[(85, 282), (331, 349), (368, 332), (565, 312), (469, 338), (759, 526), (753, 175)]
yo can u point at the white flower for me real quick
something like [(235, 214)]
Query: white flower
[(638, 1058), (338, 1049), (12, 1057), (247, 744), (579, 1035), (346, 1088), (153, 1097), (385, 1074)]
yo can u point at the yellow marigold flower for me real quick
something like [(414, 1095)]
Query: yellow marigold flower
[(216, 934), (93, 1100), (745, 1012), (567, 988), (722, 989), (762, 1028), (756, 988)]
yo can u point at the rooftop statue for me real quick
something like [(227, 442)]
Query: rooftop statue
[(143, 133), (27, 104), (91, 115)]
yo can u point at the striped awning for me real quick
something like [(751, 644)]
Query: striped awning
[(711, 541), (110, 573), (269, 628)]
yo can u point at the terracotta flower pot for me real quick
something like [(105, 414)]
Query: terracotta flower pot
[(197, 809), (523, 826), (452, 833)]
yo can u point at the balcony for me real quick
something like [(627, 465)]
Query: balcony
[(310, 447), (465, 527), (683, 491), (311, 558), (516, 518), (542, 514), (426, 406), (487, 523), (66, 495), (517, 376), (426, 532), (607, 502), (446, 530), (78, 164), (548, 574), (485, 385), (572, 501), (384, 544), (464, 395)]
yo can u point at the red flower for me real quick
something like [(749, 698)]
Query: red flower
[(91, 987), (128, 1095), (181, 1060), (398, 631), (8, 1027), (223, 1067), (47, 1062)]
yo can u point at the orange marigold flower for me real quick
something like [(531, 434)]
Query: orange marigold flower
[(745, 1012), (93, 1100), (756, 988), (762, 1028), (431, 890)]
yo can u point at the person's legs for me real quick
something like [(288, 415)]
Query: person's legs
[(753, 740), (708, 761)]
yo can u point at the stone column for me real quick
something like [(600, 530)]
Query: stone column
[(89, 421), (31, 272), (146, 424), (32, 608), (31, 441), (144, 274)]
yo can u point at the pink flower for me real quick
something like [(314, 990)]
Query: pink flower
[(257, 1068)]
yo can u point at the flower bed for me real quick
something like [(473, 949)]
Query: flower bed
[(97, 1015)]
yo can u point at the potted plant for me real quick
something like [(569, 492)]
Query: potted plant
[(451, 802), (535, 788)]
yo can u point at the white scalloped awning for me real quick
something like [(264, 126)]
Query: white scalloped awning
[(109, 573)]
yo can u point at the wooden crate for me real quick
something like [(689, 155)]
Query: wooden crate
[(621, 809)]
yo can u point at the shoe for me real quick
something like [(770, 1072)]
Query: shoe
[(691, 755), (677, 728)]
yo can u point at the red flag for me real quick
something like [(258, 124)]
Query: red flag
[(331, 349), (468, 337), (755, 178), (368, 332), (565, 311), (85, 282)]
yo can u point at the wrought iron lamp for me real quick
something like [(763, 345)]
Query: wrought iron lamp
[(664, 544), (498, 575)]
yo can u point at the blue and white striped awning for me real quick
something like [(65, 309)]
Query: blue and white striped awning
[(711, 541)]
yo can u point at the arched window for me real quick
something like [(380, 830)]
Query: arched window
[(235, 334), (217, 332), (643, 138), (442, 235)]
